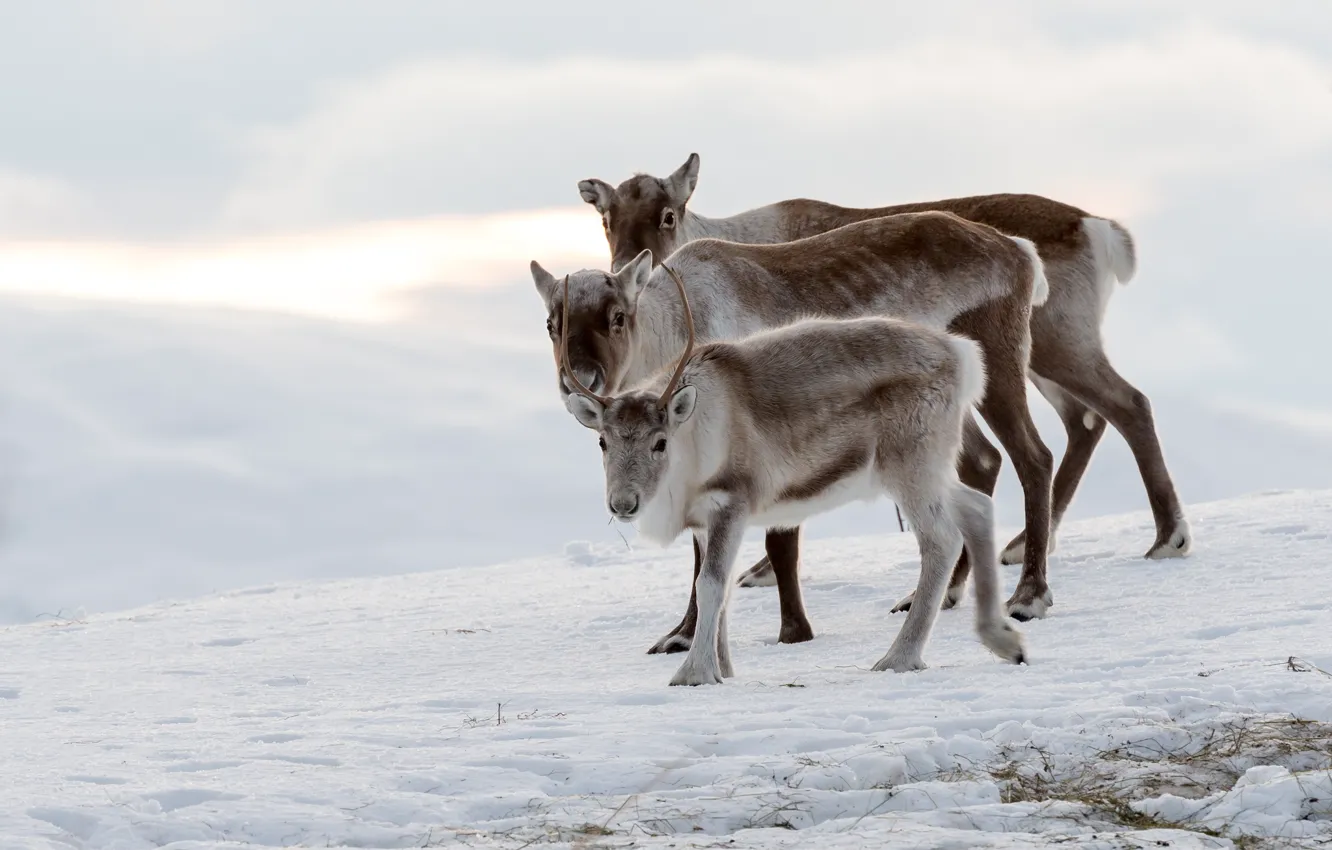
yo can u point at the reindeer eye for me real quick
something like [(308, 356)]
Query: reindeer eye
[(618, 320), (659, 446), (668, 218), (601, 441), (550, 327)]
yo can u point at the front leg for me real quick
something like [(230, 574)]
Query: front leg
[(721, 544), (679, 638)]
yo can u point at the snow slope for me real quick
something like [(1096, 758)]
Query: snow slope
[(514, 705), (151, 452)]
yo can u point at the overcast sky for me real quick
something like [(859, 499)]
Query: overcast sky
[(159, 148), (149, 130)]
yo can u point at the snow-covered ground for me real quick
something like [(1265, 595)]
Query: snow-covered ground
[(513, 706)]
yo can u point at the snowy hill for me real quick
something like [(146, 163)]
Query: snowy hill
[(1166, 704), (151, 452)]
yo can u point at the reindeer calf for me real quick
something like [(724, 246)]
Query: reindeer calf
[(774, 428)]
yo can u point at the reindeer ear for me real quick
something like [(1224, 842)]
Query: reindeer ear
[(634, 275), (681, 406), (598, 193), (680, 185), (586, 410), (545, 283)]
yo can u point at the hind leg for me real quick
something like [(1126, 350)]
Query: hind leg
[(974, 512), (978, 467), (1084, 428), (759, 575), (1088, 375)]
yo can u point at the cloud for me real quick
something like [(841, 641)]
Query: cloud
[(34, 205), (1170, 350), (353, 272), (1108, 126), (1315, 422)]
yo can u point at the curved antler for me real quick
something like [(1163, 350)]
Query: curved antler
[(689, 346), (564, 352)]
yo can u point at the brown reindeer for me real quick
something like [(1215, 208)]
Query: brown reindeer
[(1083, 255), (789, 423), (933, 268)]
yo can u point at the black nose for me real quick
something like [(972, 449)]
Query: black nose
[(624, 506)]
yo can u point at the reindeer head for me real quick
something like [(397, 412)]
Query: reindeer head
[(636, 428), (595, 319), (644, 213)]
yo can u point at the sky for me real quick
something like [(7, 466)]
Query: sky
[(338, 178)]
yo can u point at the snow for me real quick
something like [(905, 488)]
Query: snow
[(513, 705)]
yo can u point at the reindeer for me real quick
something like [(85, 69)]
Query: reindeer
[(1083, 256), (788, 423), (934, 268)]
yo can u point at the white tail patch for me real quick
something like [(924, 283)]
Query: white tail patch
[(1112, 249), (971, 381), (1040, 287)]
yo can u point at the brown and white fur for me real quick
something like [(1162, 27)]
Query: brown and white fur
[(791, 422), (1084, 255), (933, 268)]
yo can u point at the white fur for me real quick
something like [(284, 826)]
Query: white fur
[(754, 227), (863, 486), (971, 387), (1113, 258), (697, 449), (1040, 287)]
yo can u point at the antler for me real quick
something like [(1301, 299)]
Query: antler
[(564, 352), (689, 346)]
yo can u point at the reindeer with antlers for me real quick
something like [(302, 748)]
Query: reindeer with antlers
[(789, 423), (1084, 256), (933, 268)]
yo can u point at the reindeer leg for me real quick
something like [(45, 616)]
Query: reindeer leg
[(783, 547), (679, 638), (1005, 408), (978, 467), (703, 665), (1094, 381), (974, 512), (1084, 428), (940, 543), (759, 575)]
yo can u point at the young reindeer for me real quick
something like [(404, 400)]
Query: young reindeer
[(933, 268), (1083, 255), (788, 423)]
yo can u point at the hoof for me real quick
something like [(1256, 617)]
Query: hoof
[(951, 598), (1005, 641), (1176, 544), (796, 633), (1029, 606), (899, 664), (1016, 551), (673, 642), (698, 674), (759, 575)]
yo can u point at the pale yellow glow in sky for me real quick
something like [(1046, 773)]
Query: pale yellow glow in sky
[(347, 273)]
